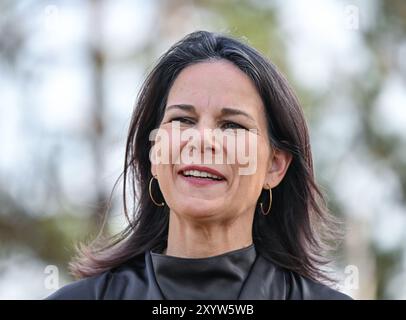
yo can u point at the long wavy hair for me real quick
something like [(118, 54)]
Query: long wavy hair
[(299, 231)]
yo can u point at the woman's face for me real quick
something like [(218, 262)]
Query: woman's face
[(205, 98)]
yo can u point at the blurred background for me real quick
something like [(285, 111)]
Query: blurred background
[(70, 72)]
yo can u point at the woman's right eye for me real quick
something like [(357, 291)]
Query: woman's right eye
[(183, 120)]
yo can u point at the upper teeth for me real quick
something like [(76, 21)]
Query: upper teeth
[(202, 174)]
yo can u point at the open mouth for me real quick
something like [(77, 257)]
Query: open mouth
[(201, 175)]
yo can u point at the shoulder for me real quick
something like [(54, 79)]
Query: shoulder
[(290, 285), (101, 286), (304, 288), (90, 288)]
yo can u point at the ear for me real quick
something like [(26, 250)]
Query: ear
[(152, 159), (278, 165), (153, 169)]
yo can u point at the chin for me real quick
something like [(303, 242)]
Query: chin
[(198, 209)]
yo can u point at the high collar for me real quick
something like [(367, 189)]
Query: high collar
[(215, 277)]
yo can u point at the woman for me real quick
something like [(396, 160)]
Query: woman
[(212, 230)]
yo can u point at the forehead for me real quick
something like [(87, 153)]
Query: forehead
[(212, 85)]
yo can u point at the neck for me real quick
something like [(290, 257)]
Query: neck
[(192, 239)]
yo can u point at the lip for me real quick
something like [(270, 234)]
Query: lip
[(199, 181), (202, 168)]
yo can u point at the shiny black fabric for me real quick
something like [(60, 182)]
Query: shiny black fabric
[(137, 280), (203, 278)]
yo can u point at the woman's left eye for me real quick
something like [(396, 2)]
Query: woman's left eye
[(232, 125)]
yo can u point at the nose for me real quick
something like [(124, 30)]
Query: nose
[(203, 140)]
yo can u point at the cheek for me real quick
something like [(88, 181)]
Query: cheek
[(252, 164), (167, 146), (248, 154), (263, 154), (161, 157)]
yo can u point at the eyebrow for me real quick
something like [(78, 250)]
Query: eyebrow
[(224, 111)]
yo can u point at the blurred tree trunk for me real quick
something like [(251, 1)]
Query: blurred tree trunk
[(97, 109)]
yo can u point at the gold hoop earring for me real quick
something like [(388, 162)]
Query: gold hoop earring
[(270, 203), (150, 193)]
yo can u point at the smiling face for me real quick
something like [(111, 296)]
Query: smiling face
[(208, 96)]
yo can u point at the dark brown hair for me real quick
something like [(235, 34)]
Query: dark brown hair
[(296, 232)]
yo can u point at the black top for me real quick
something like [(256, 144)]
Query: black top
[(242, 274), (203, 278)]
